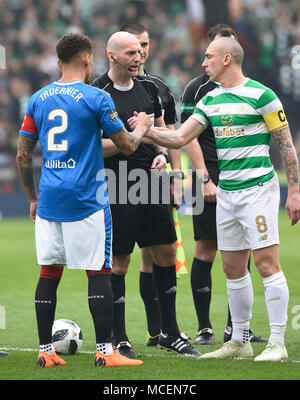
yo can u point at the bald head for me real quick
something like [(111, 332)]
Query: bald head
[(124, 54), (120, 40), (227, 45)]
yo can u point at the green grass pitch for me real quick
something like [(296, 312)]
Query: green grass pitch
[(18, 278)]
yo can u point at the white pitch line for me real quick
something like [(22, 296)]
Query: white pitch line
[(82, 352), (17, 349), (143, 355)]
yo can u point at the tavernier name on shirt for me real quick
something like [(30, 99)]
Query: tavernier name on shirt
[(68, 91)]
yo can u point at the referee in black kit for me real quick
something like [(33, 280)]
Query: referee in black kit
[(149, 225), (147, 287), (204, 157)]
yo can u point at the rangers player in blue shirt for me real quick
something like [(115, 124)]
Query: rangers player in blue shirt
[(71, 210)]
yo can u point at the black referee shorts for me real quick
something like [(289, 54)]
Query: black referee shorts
[(144, 224), (204, 224)]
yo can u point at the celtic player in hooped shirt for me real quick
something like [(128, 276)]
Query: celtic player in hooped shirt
[(244, 115), (242, 118)]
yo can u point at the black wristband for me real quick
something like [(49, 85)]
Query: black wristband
[(166, 154)]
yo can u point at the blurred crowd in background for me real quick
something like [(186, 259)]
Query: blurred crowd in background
[(29, 29)]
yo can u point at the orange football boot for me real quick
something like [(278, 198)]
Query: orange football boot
[(115, 359), (49, 360)]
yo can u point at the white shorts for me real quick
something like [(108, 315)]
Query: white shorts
[(248, 219), (84, 244)]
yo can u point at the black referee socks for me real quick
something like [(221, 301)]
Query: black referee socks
[(201, 288), (166, 287), (118, 289), (150, 299)]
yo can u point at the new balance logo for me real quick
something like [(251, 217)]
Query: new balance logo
[(263, 237), (171, 290)]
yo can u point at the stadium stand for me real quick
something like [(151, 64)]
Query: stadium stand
[(268, 30)]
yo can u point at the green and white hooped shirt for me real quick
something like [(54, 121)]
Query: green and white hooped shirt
[(242, 119)]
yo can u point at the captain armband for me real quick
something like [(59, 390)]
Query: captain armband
[(276, 120)]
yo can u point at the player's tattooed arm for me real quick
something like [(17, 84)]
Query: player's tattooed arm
[(289, 157), (26, 146), (127, 142)]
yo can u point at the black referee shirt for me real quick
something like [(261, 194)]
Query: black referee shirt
[(167, 99), (142, 96), (194, 91)]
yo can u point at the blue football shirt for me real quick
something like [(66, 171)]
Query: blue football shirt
[(67, 119)]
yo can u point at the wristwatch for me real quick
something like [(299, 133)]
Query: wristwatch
[(177, 175), (166, 154), (206, 178)]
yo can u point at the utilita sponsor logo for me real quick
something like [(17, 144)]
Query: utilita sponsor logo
[(57, 164)]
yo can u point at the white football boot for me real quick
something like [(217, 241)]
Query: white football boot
[(275, 351), (231, 349)]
